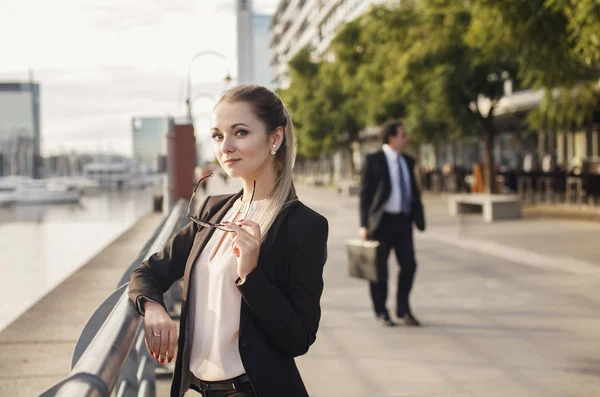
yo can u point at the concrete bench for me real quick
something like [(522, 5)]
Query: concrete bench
[(493, 206), (348, 188), (314, 181)]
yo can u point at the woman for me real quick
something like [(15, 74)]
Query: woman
[(252, 265)]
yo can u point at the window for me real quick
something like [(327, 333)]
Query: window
[(302, 28), (275, 40)]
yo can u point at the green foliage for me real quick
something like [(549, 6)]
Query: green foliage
[(325, 97), (582, 28), (571, 104), (566, 108), (312, 125), (430, 62), (556, 44)]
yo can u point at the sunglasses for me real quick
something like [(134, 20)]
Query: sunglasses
[(219, 226)]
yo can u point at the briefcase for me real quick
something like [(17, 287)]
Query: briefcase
[(362, 259)]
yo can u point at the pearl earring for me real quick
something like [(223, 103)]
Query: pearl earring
[(274, 151)]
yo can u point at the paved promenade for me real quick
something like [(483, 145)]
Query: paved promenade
[(509, 309)]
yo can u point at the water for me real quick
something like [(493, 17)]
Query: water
[(40, 246)]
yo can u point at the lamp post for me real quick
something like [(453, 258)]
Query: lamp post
[(188, 100)]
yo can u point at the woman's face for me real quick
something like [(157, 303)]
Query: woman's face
[(242, 142)]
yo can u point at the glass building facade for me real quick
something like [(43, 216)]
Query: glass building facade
[(149, 139), (262, 38), (20, 140)]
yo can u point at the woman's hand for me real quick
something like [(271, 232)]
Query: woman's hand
[(161, 332), (364, 233), (245, 245)]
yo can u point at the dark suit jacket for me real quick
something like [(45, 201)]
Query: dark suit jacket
[(376, 188), (280, 309)]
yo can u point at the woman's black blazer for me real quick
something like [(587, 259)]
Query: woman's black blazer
[(280, 309)]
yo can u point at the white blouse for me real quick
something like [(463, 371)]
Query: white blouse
[(215, 304)]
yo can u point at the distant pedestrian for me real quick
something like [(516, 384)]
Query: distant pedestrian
[(477, 185), (548, 163), (390, 202), (528, 162), (252, 265)]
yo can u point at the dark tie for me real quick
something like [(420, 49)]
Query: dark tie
[(404, 190)]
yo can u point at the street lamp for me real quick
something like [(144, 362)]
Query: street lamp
[(188, 100)]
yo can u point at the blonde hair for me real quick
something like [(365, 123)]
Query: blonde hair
[(269, 107)]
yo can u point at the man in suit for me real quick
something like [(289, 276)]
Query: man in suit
[(390, 202)]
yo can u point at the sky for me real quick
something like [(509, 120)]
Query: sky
[(102, 62)]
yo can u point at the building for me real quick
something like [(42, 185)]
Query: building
[(261, 41), (20, 139), (298, 23), (253, 41), (149, 139), (245, 42), (514, 139)]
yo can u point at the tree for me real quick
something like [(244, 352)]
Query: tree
[(396, 33), (344, 99), (380, 38), (572, 103), (325, 98), (443, 65), (452, 59), (385, 36), (451, 85), (557, 46), (313, 126), (418, 66)]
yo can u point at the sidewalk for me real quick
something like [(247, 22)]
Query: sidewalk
[(495, 325), (562, 211), (509, 309), (545, 239), (525, 241)]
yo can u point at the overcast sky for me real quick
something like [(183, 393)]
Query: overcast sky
[(101, 62)]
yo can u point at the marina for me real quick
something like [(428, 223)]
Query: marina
[(29, 191)]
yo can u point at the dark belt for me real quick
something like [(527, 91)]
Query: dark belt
[(237, 383), (395, 214)]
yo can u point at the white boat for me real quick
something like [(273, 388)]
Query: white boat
[(119, 174), (7, 196), (79, 182), (41, 191), (8, 187)]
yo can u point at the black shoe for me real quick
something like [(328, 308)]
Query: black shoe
[(385, 321), (410, 320)]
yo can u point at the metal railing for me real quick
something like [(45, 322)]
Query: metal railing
[(110, 354)]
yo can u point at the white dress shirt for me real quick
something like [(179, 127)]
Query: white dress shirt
[(394, 203), (215, 304)]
